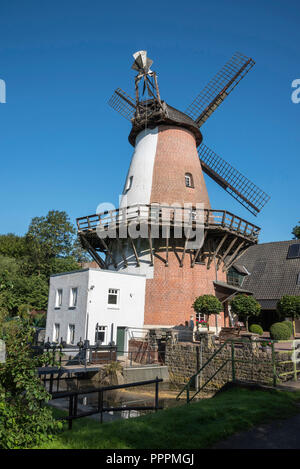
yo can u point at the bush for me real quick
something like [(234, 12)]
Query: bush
[(25, 421), (290, 325), (280, 331), (256, 329)]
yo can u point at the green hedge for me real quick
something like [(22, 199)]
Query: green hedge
[(290, 325), (280, 331), (256, 329)]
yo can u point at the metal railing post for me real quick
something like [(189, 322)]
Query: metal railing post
[(156, 394), (232, 360), (188, 393), (274, 366), (70, 412)]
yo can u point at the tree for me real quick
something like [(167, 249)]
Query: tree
[(245, 306), (25, 421), (12, 245), (207, 305), (296, 231), (49, 237), (289, 307)]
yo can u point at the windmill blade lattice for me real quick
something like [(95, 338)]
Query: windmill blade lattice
[(123, 103), (219, 88), (237, 185)]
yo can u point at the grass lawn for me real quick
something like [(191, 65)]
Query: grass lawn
[(196, 425)]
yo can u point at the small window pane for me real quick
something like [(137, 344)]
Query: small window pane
[(59, 294), (73, 298), (113, 295), (56, 333), (71, 333), (100, 334)]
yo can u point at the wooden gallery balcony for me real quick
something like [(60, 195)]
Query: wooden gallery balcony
[(224, 235)]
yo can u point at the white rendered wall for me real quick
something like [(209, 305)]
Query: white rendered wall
[(65, 314), (141, 169), (92, 304), (128, 313)]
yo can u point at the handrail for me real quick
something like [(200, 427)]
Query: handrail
[(173, 215), (202, 368), (232, 359)]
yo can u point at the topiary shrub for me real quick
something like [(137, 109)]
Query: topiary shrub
[(280, 331), (290, 325), (256, 329)]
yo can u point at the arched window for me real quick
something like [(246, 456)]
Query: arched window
[(189, 180)]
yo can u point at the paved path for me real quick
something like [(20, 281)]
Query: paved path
[(280, 434)]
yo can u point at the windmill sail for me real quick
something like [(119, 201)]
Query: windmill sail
[(219, 88), (237, 185), (123, 103)]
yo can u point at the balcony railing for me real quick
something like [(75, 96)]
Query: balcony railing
[(169, 216)]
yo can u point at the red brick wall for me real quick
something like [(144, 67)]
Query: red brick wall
[(172, 291), (176, 154)]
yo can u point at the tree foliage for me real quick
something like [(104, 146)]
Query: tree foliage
[(207, 304), (26, 263), (25, 421), (245, 306), (289, 306), (296, 231)]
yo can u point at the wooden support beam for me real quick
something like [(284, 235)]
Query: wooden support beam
[(184, 249), (221, 259), (232, 258), (150, 245), (108, 252), (122, 251), (167, 251), (236, 258), (134, 251), (217, 249), (102, 264), (198, 250)]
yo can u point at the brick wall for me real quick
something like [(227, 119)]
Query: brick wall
[(252, 363), (172, 291)]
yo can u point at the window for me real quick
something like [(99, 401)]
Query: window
[(128, 184), (189, 180), (56, 333), (58, 301), (294, 251), (298, 279), (71, 334), (100, 334), (200, 317), (73, 297), (113, 297)]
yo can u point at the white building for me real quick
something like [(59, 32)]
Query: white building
[(95, 304)]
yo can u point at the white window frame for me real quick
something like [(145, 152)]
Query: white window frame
[(71, 332), (56, 332), (100, 329), (113, 292), (58, 298), (73, 304), (188, 180)]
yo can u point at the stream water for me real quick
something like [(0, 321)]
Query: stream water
[(137, 396)]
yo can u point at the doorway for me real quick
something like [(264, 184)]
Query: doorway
[(120, 341)]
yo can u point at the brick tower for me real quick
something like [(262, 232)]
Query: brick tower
[(164, 190)]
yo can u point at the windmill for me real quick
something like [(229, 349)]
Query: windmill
[(145, 112), (166, 168)]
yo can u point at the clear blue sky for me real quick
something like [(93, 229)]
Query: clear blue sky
[(62, 147)]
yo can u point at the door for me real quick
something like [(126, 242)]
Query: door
[(120, 341)]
